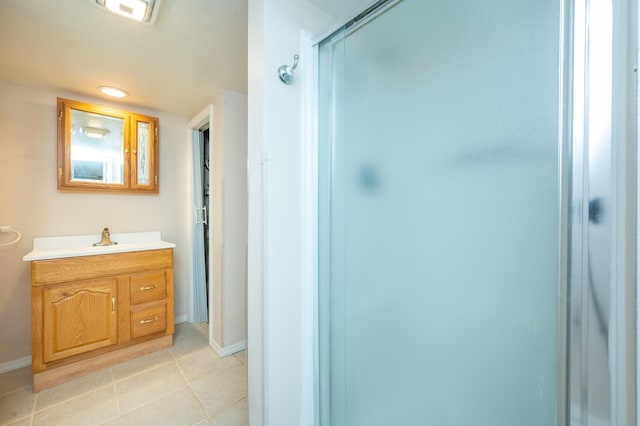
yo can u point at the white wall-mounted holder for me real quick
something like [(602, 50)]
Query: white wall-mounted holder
[(8, 229)]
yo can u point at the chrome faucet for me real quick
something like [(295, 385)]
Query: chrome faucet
[(106, 239)]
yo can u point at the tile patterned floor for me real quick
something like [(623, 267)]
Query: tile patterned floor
[(187, 384)]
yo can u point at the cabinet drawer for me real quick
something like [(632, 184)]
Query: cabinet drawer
[(148, 286), (148, 321)]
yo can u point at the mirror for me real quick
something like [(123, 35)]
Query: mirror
[(97, 148), (106, 149)]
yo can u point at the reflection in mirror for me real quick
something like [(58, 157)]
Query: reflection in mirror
[(97, 150)]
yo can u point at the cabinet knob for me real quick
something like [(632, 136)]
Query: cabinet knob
[(113, 304), (147, 321)]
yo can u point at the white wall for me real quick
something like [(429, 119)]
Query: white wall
[(31, 203), (229, 141), (277, 284), (274, 128), (234, 297)]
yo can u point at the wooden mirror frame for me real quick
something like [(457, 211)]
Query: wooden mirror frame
[(131, 122)]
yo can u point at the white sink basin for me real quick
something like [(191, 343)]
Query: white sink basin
[(82, 245)]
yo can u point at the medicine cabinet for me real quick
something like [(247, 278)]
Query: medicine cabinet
[(105, 149)]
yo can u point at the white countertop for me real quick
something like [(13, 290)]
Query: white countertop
[(82, 245)]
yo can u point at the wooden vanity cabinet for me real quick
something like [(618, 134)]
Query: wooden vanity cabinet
[(90, 312)]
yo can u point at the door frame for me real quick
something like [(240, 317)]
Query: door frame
[(202, 121)]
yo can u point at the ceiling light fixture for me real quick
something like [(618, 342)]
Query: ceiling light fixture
[(113, 91), (94, 132), (138, 10)]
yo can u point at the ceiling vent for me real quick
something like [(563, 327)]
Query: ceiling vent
[(138, 10)]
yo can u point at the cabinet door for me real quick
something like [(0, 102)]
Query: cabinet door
[(144, 165), (79, 317)]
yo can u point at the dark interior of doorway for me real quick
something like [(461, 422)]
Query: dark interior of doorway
[(205, 201)]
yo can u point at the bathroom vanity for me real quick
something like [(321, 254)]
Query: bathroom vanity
[(92, 307)]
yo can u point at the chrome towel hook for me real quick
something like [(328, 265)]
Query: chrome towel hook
[(285, 72)]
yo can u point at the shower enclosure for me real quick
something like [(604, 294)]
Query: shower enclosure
[(463, 226)]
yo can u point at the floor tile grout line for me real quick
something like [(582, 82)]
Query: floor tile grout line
[(33, 404), (113, 383), (33, 408), (64, 401), (185, 355), (115, 394), (157, 399), (231, 404), (207, 375), (207, 348), (145, 370), (16, 389), (158, 396), (204, 410), (229, 407)]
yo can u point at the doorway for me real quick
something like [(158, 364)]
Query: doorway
[(206, 206), (217, 223), (200, 200)]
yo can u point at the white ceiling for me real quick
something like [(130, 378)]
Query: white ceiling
[(194, 48)]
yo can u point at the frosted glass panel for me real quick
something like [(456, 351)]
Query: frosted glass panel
[(143, 154), (439, 216)]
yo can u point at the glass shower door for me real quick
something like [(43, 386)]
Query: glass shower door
[(438, 216)]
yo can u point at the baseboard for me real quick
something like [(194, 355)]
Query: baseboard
[(227, 350), (15, 364), (180, 319)]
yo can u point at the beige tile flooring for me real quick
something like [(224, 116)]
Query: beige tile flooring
[(187, 384)]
